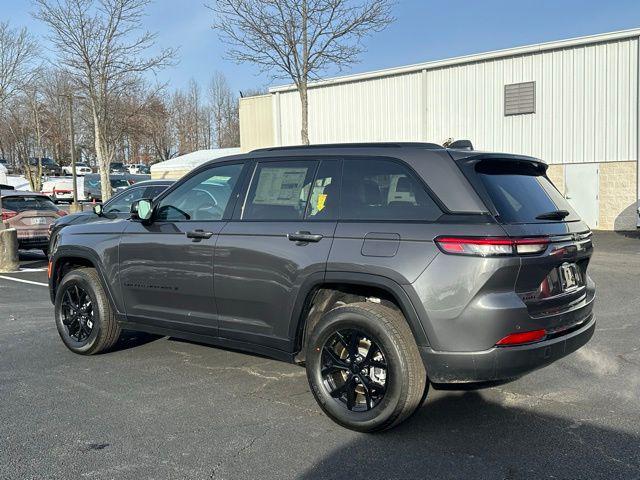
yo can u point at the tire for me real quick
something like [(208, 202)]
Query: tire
[(405, 381), (104, 331)]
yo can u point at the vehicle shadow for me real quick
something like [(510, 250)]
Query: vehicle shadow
[(32, 259), (131, 339), (468, 436)]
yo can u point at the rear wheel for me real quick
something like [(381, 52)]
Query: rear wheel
[(84, 318), (364, 367)]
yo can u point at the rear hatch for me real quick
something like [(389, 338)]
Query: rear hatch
[(30, 215), (552, 281)]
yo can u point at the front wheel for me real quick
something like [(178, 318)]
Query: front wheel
[(84, 318), (364, 367)]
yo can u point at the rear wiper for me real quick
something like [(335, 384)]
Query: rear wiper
[(554, 215)]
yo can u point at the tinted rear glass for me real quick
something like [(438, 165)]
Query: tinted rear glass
[(383, 189), (117, 183), (22, 204), (521, 192)]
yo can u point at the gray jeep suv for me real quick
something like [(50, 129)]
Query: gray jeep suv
[(383, 268)]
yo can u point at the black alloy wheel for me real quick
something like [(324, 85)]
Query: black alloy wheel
[(84, 318), (354, 370), (77, 313)]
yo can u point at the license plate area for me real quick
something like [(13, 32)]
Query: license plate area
[(570, 277)]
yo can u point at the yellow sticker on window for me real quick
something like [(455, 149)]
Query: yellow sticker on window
[(321, 199)]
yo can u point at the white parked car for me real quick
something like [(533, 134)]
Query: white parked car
[(59, 189), (3, 174), (81, 169)]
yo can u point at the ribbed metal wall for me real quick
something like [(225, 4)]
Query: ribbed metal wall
[(387, 108), (586, 105)]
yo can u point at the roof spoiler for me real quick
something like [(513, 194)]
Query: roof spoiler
[(458, 144)]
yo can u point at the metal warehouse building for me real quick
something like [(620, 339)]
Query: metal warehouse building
[(573, 103)]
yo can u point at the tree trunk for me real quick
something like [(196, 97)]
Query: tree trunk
[(102, 157), (304, 100)]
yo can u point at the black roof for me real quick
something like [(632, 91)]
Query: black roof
[(162, 181), (323, 146), (21, 193)]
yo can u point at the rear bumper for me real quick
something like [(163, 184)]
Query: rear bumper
[(502, 363), (27, 242)]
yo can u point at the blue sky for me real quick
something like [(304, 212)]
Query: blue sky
[(424, 30)]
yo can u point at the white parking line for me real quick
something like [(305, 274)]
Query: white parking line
[(24, 281), (28, 270)]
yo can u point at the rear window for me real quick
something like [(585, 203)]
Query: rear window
[(521, 192), (117, 183), (22, 204)]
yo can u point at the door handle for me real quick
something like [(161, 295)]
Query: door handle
[(199, 234), (304, 237)]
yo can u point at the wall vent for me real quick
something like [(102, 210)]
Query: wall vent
[(520, 98)]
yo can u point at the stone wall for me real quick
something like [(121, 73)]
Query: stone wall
[(618, 196), (556, 174)]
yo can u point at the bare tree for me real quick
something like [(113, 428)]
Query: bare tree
[(298, 39), (18, 52), (101, 43), (157, 128), (223, 105)]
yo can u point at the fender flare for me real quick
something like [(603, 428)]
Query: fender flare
[(88, 255), (315, 281)]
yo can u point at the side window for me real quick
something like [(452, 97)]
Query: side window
[(122, 203), (279, 190), (324, 201), (381, 189), (203, 197), (154, 191)]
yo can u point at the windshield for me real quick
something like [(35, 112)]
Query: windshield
[(22, 204), (117, 183), (521, 193)]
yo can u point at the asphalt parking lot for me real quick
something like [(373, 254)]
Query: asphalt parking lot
[(164, 408)]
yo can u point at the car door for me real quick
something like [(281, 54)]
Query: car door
[(166, 265), (279, 238)]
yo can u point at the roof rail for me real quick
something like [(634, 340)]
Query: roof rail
[(350, 145)]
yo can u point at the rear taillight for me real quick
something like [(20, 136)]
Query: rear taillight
[(491, 246), (7, 214), (522, 338), (61, 213)]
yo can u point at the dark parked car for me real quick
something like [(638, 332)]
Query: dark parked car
[(93, 184), (118, 168), (30, 214), (117, 207), (383, 268), (49, 166)]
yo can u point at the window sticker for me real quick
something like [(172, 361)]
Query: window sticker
[(280, 186)]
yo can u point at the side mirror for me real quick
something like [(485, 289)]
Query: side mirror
[(97, 209), (141, 209)]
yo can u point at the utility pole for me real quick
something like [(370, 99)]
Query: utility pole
[(74, 206), (1, 220)]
